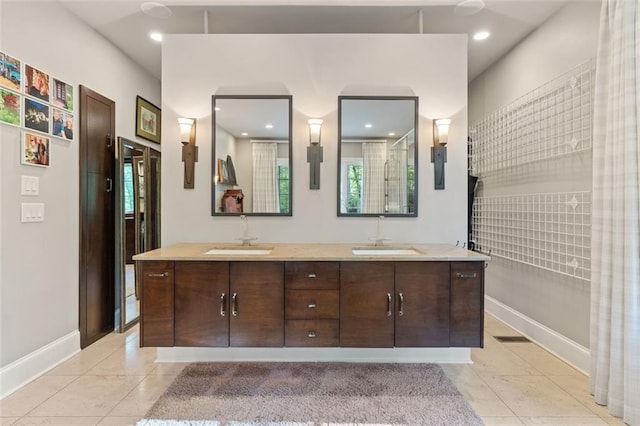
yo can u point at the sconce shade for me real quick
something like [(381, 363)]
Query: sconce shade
[(185, 128), (442, 130), (315, 124)]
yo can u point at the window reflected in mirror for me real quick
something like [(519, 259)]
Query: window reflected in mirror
[(377, 156), (252, 155)]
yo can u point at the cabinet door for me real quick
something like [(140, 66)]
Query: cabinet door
[(201, 304), (156, 303), (257, 304), (467, 304), (422, 304), (366, 304)]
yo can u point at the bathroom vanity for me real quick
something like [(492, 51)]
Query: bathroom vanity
[(317, 296)]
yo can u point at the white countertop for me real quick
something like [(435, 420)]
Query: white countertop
[(310, 252)]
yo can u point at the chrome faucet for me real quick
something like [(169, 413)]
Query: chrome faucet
[(246, 239), (379, 239)]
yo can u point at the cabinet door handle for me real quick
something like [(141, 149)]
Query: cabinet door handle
[(109, 185), (401, 297), (463, 275), (158, 274), (312, 304), (234, 305), (388, 304), (223, 312), (312, 275), (311, 334)]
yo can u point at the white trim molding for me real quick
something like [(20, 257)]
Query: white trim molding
[(20, 372), (399, 355), (566, 349)]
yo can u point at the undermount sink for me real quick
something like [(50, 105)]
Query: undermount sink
[(384, 251), (240, 250)]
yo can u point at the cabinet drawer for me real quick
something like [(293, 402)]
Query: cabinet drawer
[(312, 333), (312, 275), (312, 304)]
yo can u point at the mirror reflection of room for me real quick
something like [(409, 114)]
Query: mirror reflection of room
[(377, 155), (252, 155)]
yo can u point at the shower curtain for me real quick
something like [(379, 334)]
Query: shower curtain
[(265, 177), (373, 181)]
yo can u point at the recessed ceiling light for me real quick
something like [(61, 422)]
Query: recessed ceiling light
[(156, 10), (468, 7), (244, 134), (392, 134), (481, 35), (269, 126), (217, 108), (156, 36), (368, 125)]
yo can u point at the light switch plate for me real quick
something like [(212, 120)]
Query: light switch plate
[(30, 185), (32, 212)]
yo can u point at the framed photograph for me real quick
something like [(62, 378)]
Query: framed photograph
[(35, 150), (36, 83), (62, 94), (10, 72), (36, 115), (61, 123), (148, 120), (10, 104)]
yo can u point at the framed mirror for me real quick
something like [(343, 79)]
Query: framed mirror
[(251, 155), (378, 156)]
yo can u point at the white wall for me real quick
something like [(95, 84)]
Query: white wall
[(566, 40), (315, 70), (39, 264)]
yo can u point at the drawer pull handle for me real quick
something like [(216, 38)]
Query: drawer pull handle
[(158, 274), (311, 334), (400, 311), (222, 310), (312, 275), (234, 305), (312, 305), (388, 304), (463, 275)]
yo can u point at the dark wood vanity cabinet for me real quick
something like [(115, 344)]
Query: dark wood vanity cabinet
[(156, 303), (312, 304), (365, 304)]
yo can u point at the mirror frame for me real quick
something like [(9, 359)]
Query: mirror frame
[(289, 98), (416, 165)]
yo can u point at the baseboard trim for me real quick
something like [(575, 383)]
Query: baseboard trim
[(20, 372), (566, 349), (399, 355)]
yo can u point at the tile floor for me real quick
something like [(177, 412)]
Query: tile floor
[(114, 382)]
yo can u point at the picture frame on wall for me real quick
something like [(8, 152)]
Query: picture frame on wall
[(36, 115), (35, 150), (10, 72), (61, 94), (148, 120), (61, 124), (36, 83), (10, 107)]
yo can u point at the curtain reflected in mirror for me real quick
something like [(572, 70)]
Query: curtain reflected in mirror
[(377, 156), (252, 155), (138, 222)]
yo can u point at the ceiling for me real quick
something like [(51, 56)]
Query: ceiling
[(128, 27)]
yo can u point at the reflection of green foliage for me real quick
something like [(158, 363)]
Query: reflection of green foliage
[(69, 105), (354, 196), (283, 188), (411, 185), (128, 188)]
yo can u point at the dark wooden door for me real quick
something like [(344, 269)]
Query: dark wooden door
[(257, 304), (366, 304), (97, 216), (422, 304), (467, 304), (202, 304)]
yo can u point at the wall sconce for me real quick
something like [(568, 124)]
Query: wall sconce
[(314, 153), (439, 150), (189, 149)]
